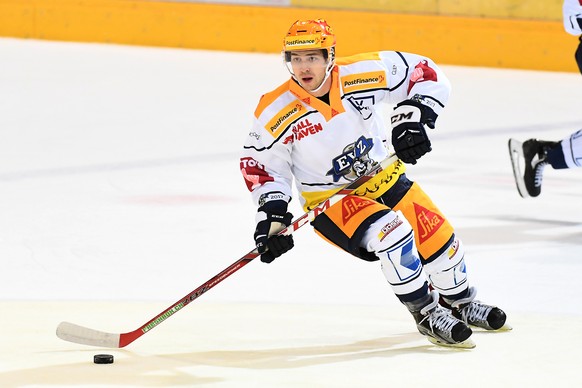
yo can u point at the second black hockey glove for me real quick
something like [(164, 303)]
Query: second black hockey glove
[(409, 137), (272, 217)]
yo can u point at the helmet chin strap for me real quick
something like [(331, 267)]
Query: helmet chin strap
[(327, 74), (331, 60)]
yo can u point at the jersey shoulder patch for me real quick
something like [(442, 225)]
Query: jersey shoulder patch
[(362, 72), (375, 79)]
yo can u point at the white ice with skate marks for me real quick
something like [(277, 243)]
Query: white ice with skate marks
[(120, 193)]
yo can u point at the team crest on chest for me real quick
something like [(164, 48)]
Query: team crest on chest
[(354, 161)]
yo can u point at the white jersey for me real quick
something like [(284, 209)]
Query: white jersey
[(572, 149), (572, 16), (325, 146)]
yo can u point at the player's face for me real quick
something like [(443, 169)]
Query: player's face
[(309, 68)]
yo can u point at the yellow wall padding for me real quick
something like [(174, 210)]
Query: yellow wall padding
[(521, 44), (515, 9)]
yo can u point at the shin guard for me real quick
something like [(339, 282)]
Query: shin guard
[(447, 273), (391, 238)]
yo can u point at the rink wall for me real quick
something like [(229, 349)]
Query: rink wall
[(522, 41), (514, 9)]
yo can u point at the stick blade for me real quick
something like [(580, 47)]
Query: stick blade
[(83, 335)]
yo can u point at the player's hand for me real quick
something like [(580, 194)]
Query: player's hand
[(409, 137), (272, 217)]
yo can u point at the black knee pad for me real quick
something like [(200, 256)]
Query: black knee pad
[(328, 229)]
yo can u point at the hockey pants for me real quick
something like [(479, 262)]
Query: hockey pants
[(403, 229)]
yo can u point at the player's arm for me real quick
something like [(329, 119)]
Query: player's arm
[(420, 90), (265, 165)]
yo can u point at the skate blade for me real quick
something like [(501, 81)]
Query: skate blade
[(477, 329), (505, 327), (516, 155), (467, 344)]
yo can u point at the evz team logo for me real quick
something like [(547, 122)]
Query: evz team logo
[(353, 162)]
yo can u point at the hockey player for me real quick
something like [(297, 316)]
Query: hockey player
[(531, 157), (323, 128), (534, 155), (572, 10)]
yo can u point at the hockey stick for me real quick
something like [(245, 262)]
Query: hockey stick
[(83, 335)]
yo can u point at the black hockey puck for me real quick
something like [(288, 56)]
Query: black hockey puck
[(103, 359)]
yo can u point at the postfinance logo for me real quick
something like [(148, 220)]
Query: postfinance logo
[(285, 116), (302, 42), (363, 81)]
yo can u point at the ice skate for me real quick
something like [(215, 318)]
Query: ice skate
[(476, 313), (532, 156), (441, 327)]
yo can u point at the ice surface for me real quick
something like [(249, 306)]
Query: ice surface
[(120, 193)]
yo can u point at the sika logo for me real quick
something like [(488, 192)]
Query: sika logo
[(428, 222), (351, 205)]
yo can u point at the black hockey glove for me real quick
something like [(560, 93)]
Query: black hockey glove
[(272, 217), (409, 137)]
